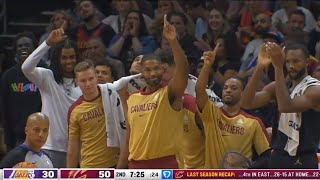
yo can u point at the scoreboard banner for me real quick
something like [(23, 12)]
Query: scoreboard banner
[(158, 174)]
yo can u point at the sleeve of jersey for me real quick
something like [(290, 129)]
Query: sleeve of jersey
[(261, 138), (14, 157), (33, 73), (209, 113), (73, 125)]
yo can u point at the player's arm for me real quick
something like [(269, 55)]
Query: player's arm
[(73, 153), (250, 98), (309, 100), (201, 84), (74, 141), (124, 151), (179, 81)]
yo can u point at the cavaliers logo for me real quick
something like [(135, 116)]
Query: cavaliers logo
[(77, 174), (178, 174)]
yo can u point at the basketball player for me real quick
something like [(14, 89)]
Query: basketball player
[(96, 122), (154, 114), (227, 128), (36, 130), (295, 136)]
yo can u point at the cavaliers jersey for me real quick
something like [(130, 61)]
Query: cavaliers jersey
[(87, 123), (154, 125), (23, 153), (136, 83), (191, 152), (239, 133)]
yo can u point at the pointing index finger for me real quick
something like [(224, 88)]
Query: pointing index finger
[(215, 49), (165, 19)]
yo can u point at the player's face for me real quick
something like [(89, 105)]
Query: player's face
[(68, 60), (104, 74), (37, 132), (87, 81), (24, 48), (136, 65), (295, 64), (152, 72), (232, 90)]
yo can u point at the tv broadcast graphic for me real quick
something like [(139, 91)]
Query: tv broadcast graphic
[(159, 89)]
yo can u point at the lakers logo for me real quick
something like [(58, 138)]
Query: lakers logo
[(22, 174)]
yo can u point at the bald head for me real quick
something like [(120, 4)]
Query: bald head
[(37, 117)]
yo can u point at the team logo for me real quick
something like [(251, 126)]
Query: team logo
[(77, 174), (178, 174), (22, 174), (240, 122)]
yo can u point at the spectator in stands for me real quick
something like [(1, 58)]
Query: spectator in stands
[(314, 40), (104, 72), (58, 90), (123, 8), (96, 123), (180, 22), (246, 27), (59, 17), (36, 130), (217, 26), (281, 17), (97, 51), (167, 7), (316, 71), (18, 93), (294, 142), (262, 25), (228, 128), (132, 41), (143, 151), (91, 27), (199, 13)]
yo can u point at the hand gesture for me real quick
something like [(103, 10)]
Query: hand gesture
[(210, 56), (276, 54), (56, 36), (134, 30), (126, 30), (169, 30), (202, 45), (263, 58)]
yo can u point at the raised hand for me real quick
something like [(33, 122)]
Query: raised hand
[(134, 30), (210, 56), (169, 30), (56, 35), (276, 54), (263, 58)]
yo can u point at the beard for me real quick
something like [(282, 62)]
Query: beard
[(154, 82), (298, 75)]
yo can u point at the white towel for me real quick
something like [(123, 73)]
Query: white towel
[(289, 123), (114, 116)]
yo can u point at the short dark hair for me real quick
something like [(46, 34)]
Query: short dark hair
[(148, 57), (104, 62), (166, 56), (179, 14), (299, 13), (83, 66), (300, 47), (241, 80), (24, 34)]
